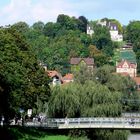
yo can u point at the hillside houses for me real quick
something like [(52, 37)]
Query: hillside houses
[(126, 67), (76, 63), (128, 64), (113, 29)]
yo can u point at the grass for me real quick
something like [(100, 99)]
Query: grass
[(25, 133), (59, 137), (22, 133)]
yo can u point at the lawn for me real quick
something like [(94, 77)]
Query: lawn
[(22, 133)]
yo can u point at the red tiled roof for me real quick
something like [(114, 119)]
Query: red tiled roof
[(130, 65), (52, 73), (88, 61), (68, 77), (137, 80)]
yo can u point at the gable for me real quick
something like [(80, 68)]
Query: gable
[(76, 61), (125, 65)]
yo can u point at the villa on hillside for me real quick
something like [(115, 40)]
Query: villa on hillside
[(76, 63), (114, 33), (90, 30), (113, 29), (127, 68)]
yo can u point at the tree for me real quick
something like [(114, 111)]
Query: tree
[(22, 79), (64, 102), (82, 24), (133, 31), (38, 26), (133, 35), (21, 27), (101, 37), (67, 22), (51, 29)]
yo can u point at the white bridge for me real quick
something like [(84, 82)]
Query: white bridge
[(94, 122)]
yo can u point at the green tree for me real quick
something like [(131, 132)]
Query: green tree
[(64, 102), (22, 79), (82, 24), (101, 37), (21, 27), (133, 31), (51, 29), (38, 26), (67, 22)]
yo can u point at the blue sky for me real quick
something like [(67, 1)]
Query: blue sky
[(30, 11)]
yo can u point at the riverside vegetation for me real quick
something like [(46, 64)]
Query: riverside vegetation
[(23, 83)]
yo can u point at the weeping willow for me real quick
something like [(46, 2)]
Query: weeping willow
[(87, 100)]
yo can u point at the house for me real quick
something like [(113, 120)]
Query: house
[(113, 29), (90, 30), (56, 77), (137, 80), (114, 32), (127, 67), (76, 63), (68, 78)]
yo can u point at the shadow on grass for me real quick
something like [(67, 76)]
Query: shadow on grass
[(25, 133), (17, 133)]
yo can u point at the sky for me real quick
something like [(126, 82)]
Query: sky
[(31, 11)]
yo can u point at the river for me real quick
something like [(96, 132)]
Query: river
[(134, 136)]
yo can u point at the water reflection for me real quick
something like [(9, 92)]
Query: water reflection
[(134, 137)]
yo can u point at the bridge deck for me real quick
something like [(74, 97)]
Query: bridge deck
[(71, 123)]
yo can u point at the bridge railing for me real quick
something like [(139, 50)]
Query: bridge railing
[(55, 123)]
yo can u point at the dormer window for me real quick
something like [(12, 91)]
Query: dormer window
[(115, 28)]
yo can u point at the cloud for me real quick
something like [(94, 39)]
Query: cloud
[(31, 11)]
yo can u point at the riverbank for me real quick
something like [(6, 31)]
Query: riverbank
[(24, 133)]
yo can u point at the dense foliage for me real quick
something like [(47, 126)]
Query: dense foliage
[(132, 33), (98, 93), (22, 80), (97, 96)]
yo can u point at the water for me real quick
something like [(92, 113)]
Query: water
[(134, 136)]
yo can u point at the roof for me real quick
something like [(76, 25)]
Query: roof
[(127, 45), (54, 74), (88, 61), (128, 55), (137, 80), (113, 26), (123, 62), (68, 76)]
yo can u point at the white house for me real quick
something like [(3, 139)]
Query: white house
[(113, 29), (90, 30)]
